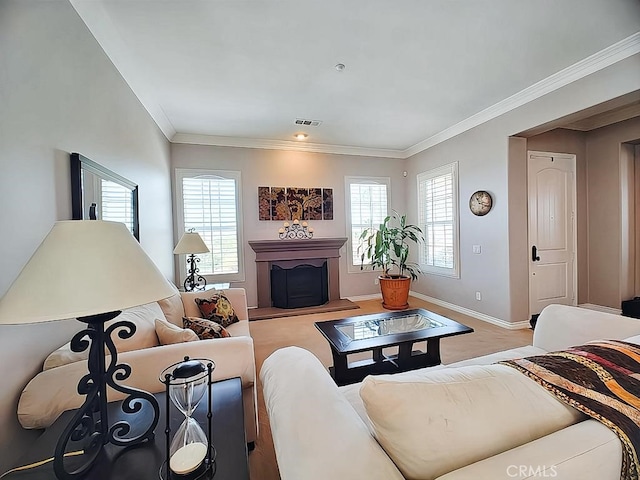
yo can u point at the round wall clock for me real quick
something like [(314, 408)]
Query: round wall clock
[(480, 203)]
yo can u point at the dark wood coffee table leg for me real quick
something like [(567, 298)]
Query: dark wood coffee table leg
[(409, 360), (406, 360), (377, 355), (433, 351), (404, 353), (340, 367)]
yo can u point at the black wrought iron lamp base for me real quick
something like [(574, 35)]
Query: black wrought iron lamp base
[(194, 280), (89, 430)]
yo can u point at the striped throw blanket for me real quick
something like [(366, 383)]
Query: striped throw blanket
[(602, 380)]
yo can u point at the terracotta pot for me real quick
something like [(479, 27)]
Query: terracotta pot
[(395, 292)]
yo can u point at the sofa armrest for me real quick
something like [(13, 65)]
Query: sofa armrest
[(53, 391), (316, 432), (237, 297), (562, 326)]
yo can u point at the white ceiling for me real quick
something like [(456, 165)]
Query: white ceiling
[(244, 70)]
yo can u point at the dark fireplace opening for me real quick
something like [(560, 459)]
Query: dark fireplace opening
[(300, 286)]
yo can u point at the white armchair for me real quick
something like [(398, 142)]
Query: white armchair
[(53, 390)]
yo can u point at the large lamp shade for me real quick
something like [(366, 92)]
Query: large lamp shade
[(83, 268), (91, 270)]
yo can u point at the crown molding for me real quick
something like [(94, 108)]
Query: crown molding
[(193, 139), (109, 39), (598, 61)]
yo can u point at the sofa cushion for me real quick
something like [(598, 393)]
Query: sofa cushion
[(456, 416), (635, 339), (143, 317), (519, 352), (205, 329), (352, 392), (239, 329), (587, 446), (168, 333), (173, 309), (563, 326), (217, 308)]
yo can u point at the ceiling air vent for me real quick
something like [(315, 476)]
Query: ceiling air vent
[(312, 123)]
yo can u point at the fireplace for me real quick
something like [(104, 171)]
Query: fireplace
[(289, 254), (303, 285)]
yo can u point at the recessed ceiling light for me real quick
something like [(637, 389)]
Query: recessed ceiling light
[(340, 67), (301, 136)]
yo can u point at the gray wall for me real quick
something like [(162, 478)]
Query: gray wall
[(609, 265), (60, 93), (294, 169), (489, 160)]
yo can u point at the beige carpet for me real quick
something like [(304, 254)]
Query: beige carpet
[(269, 335)]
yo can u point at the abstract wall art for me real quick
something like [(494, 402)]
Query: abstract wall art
[(264, 203), (295, 203)]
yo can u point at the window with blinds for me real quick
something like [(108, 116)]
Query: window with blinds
[(368, 206), (210, 205), (438, 217), (116, 204)]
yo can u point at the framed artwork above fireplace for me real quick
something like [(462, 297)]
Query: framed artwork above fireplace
[(295, 203)]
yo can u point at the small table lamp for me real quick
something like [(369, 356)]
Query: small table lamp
[(91, 270), (192, 243)]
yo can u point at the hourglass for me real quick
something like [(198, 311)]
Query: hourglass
[(190, 454)]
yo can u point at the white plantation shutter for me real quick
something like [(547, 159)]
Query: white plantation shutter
[(210, 204), (368, 206), (116, 204), (438, 217)]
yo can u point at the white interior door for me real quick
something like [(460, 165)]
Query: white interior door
[(552, 231)]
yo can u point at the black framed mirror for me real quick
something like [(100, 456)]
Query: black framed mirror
[(97, 193)]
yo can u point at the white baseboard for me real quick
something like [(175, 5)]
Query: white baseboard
[(362, 298), (472, 313), (601, 308)]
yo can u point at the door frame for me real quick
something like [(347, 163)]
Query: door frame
[(636, 192), (574, 220)]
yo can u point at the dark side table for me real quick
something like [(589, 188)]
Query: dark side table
[(142, 462)]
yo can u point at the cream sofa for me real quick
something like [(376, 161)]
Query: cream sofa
[(468, 420), (53, 390)]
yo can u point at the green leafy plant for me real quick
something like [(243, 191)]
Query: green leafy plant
[(388, 246)]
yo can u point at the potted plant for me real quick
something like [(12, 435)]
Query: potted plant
[(387, 247)]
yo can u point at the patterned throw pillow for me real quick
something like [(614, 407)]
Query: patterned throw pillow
[(205, 329), (218, 308)]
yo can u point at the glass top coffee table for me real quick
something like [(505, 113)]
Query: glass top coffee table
[(375, 332)]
